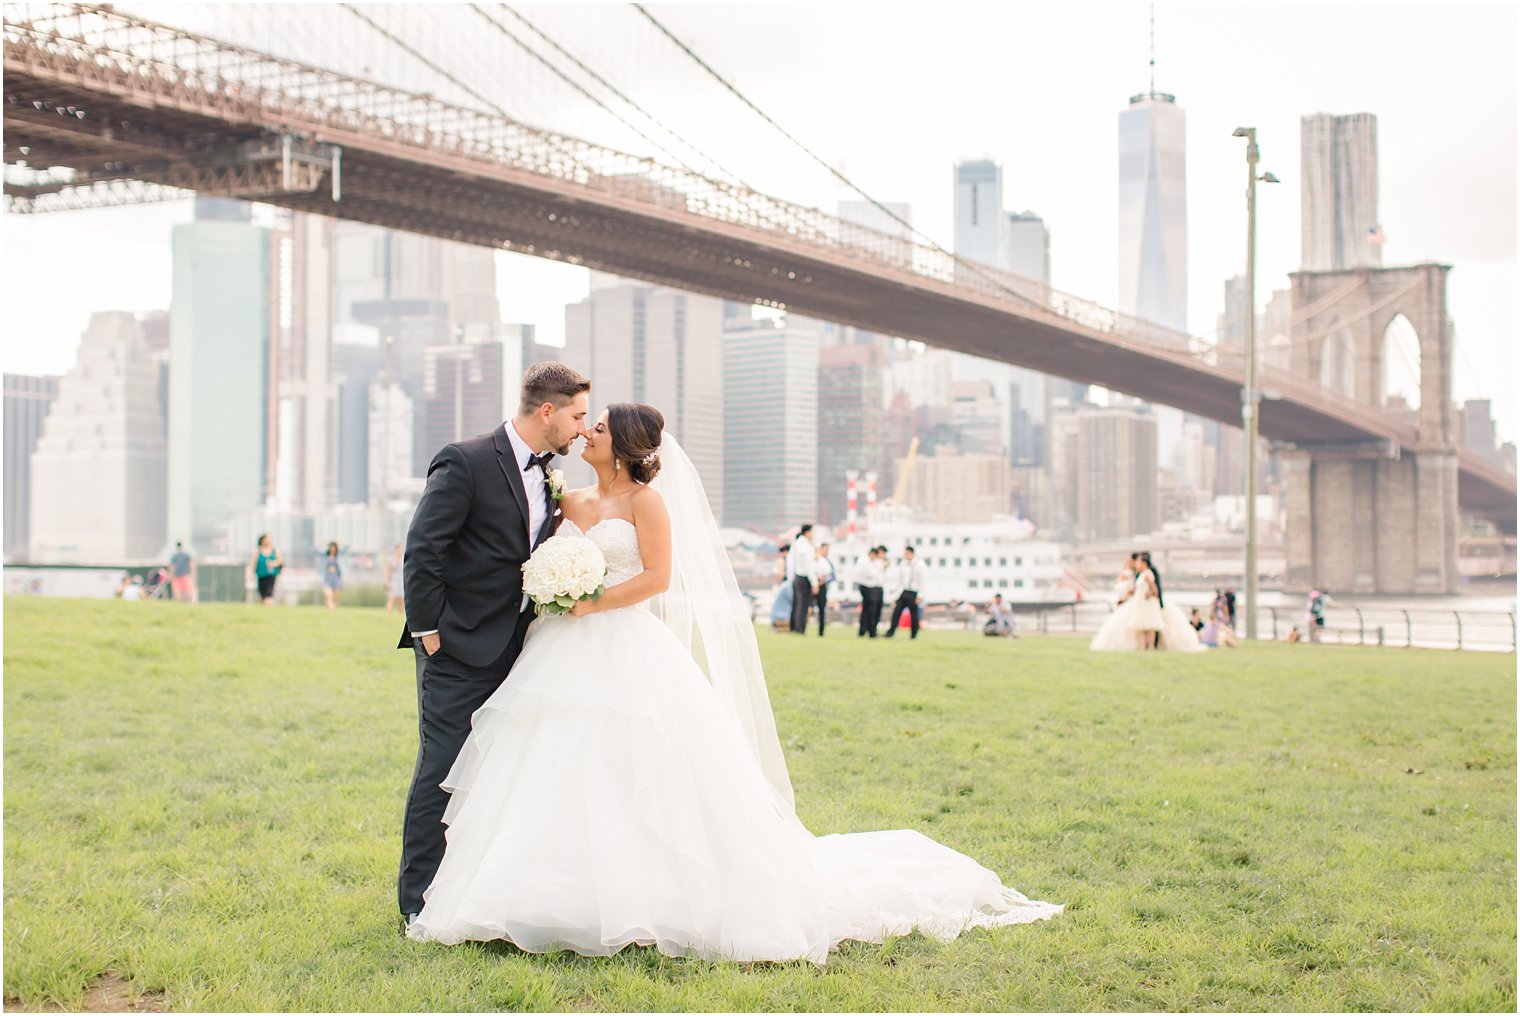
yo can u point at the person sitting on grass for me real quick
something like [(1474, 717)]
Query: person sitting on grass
[(1000, 619)]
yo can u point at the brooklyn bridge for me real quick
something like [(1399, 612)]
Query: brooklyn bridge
[(103, 107)]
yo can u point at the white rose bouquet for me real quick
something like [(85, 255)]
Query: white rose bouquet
[(563, 570)]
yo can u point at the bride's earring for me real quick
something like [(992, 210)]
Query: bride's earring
[(616, 465)]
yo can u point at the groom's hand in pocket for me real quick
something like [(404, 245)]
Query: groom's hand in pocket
[(431, 643)]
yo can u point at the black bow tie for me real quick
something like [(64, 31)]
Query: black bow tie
[(541, 461)]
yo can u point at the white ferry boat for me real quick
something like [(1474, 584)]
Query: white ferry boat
[(965, 563)]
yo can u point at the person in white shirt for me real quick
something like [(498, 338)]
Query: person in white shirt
[(1000, 619), (869, 575), (799, 564), (911, 576), (823, 574)]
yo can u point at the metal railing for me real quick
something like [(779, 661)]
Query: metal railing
[(1430, 628), (1414, 628)]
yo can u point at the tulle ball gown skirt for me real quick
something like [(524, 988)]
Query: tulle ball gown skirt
[(605, 798)]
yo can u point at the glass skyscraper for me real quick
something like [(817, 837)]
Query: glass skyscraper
[(1153, 259), (27, 401), (219, 326), (979, 216), (1153, 210), (770, 424)]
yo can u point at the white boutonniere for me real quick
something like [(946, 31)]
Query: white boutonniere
[(556, 481)]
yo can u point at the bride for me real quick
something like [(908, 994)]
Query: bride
[(1139, 622), (625, 785)]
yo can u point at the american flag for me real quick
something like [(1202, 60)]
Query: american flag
[(1375, 236)]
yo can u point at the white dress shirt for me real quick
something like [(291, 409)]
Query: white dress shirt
[(910, 575), (532, 481), (866, 575), (799, 563)]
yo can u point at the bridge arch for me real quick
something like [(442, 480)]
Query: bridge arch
[(1375, 516), (1399, 376), (1394, 322)]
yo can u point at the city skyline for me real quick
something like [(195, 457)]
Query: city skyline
[(1427, 212)]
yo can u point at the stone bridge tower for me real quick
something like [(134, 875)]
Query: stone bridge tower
[(1368, 518)]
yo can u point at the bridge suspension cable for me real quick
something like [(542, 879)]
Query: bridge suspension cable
[(429, 64), (970, 266), (1361, 315), (1299, 316), (504, 30), (591, 73)]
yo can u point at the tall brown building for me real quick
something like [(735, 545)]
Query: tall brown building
[(664, 347), (1117, 475), (950, 487)]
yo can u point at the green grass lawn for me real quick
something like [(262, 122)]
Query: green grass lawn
[(205, 801)]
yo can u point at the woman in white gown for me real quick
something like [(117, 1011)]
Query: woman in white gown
[(1137, 619), (1139, 616), (1114, 633), (625, 784)]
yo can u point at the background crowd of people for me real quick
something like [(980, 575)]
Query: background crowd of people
[(808, 572)]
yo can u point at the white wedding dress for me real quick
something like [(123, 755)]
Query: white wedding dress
[(1120, 631), (606, 797)]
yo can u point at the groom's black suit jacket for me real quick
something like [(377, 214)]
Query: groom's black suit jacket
[(466, 547)]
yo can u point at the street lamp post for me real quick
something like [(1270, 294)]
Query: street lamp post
[(1250, 395)]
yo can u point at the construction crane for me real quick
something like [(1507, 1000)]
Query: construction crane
[(907, 470)]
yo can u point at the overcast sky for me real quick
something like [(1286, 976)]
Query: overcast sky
[(895, 94)]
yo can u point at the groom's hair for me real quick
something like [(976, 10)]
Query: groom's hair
[(551, 381)]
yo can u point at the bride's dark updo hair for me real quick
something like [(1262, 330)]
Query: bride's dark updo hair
[(636, 430)]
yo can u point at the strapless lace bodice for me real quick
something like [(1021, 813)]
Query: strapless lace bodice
[(618, 541)]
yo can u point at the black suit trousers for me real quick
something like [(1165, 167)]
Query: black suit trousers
[(870, 609), (802, 600), (448, 693), (907, 601)]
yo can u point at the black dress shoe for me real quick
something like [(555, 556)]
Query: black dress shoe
[(406, 922)]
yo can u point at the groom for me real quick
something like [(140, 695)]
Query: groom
[(486, 506)]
